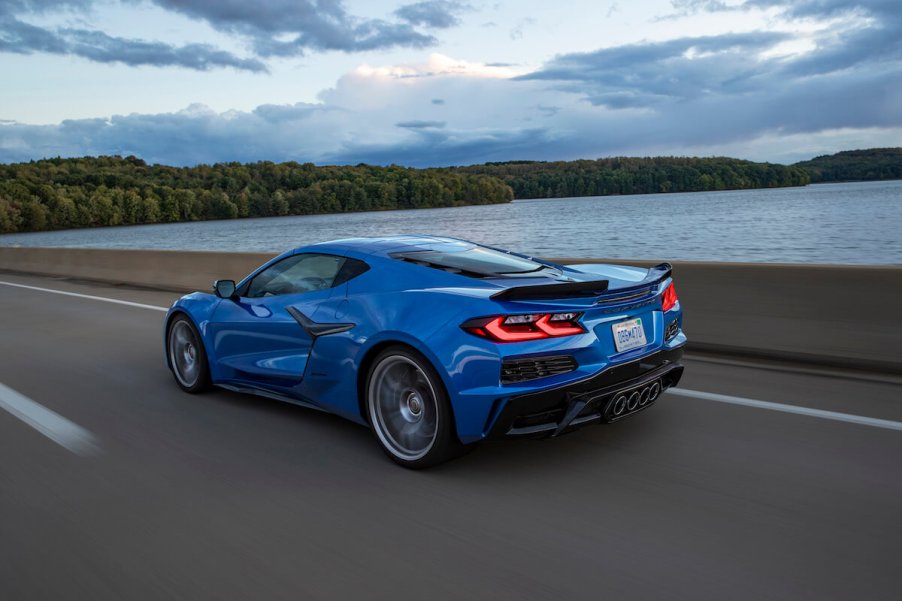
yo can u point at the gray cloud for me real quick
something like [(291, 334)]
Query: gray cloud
[(484, 130), (19, 37), (736, 93), (440, 14), (100, 47), (438, 148), (421, 124), (307, 25), (272, 28), (654, 75), (640, 75)]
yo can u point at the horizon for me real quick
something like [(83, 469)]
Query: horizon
[(462, 165), (441, 83)]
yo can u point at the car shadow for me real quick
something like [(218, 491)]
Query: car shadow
[(349, 443)]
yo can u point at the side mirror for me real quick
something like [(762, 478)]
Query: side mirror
[(225, 288)]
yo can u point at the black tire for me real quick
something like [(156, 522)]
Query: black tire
[(409, 411), (186, 356)]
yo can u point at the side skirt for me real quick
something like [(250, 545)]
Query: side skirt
[(270, 395)]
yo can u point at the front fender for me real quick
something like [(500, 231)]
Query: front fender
[(199, 308)]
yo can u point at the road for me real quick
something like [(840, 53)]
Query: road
[(223, 496)]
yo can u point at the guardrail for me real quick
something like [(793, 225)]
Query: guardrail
[(829, 315)]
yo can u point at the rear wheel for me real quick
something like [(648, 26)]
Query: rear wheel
[(187, 358), (409, 410)]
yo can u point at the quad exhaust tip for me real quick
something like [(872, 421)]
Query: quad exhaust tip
[(627, 402)]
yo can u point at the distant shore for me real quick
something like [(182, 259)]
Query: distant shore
[(90, 192)]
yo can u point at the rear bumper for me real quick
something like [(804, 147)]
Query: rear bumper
[(615, 393)]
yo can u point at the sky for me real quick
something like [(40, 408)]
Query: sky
[(447, 82)]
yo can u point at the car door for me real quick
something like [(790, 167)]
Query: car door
[(258, 338)]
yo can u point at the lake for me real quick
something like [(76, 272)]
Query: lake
[(851, 223)]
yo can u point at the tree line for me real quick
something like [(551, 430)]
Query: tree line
[(101, 191), (855, 165), (622, 175)]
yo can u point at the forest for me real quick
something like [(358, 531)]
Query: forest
[(92, 192), (855, 165), (99, 191), (621, 175)]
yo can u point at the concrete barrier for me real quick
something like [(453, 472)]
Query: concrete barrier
[(178, 271), (828, 315)]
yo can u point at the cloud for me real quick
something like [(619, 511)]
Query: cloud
[(647, 74), (440, 14), (270, 28), (788, 93), (292, 27), (20, 37), (848, 41), (421, 124), (100, 47), (516, 33)]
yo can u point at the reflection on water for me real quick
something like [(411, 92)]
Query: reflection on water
[(830, 223)]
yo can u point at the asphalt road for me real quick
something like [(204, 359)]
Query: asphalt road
[(223, 496)]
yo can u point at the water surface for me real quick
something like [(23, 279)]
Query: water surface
[(853, 223)]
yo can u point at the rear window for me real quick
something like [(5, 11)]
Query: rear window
[(476, 261)]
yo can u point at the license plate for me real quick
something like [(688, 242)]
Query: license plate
[(629, 335)]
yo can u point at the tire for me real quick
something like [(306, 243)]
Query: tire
[(408, 409), (186, 356)]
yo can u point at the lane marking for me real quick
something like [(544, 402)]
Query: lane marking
[(52, 425), (819, 413), (88, 296)]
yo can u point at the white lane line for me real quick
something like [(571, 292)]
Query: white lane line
[(52, 425), (88, 296), (819, 413)]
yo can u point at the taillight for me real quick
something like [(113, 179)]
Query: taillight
[(517, 328), (669, 299)]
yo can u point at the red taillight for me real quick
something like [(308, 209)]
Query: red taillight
[(669, 299), (517, 328)]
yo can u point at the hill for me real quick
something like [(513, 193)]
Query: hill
[(855, 165), (623, 175)]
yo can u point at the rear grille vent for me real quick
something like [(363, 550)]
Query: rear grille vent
[(672, 330), (521, 370)]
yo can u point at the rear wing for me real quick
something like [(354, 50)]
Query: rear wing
[(591, 289), (657, 273), (544, 291)]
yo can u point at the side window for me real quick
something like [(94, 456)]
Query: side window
[(295, 275), (350, 270)]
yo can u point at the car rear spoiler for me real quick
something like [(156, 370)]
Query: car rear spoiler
[(657, 273), (544, 291), (577, 289)]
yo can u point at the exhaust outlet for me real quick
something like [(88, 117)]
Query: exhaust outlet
[(654, 391), (619, 405), (633, 401)]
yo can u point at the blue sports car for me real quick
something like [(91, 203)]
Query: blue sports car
[(435, 343)]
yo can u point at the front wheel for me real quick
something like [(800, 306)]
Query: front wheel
[(409, 410), (187, 358)]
